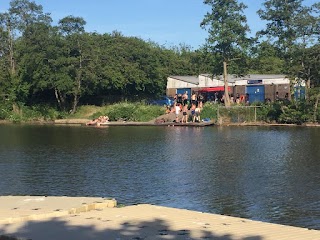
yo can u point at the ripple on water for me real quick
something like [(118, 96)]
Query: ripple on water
[(262, 173)]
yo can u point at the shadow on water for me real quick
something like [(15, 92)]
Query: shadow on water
[(59, 229)]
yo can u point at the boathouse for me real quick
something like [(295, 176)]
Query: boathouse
[(259, 87)]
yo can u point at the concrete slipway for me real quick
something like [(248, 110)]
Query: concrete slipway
[(40, 217)]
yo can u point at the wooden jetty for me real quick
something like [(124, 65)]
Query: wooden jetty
[(125, 123), (189, 124)]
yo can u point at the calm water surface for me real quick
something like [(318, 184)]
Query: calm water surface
[(263, 173)]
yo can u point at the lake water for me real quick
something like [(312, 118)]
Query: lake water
[(270, 174)]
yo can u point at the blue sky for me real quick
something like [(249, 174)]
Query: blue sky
[(167, 22)]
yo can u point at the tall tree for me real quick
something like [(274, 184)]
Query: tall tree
[(227, 27), (73, 30), (281, 15), (14, 24), (293, 27), (7, 40)]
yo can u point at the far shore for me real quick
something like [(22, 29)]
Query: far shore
[(81, 122)]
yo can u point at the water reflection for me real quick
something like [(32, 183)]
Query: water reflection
[(263, 173)]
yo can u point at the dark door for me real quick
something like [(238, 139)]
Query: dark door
[(183, 90), (256, 93)]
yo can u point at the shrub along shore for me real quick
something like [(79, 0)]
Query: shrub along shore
[(272, 113)]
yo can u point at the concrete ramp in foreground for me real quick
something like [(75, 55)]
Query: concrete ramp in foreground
[(99, 218)]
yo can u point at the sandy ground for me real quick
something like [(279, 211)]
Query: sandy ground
[(97, 218)]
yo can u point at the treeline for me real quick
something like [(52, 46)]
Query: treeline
[(63, 65)]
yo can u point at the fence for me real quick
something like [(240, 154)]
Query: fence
[(238, 114)]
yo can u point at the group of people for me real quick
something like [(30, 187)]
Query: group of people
[(98, 121), (243, 99), (219, 97), (183, 104)]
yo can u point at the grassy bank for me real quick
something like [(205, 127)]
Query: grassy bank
[(125, 111), (278, 112)]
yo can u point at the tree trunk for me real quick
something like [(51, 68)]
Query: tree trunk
[(307, 89), (315, 110), (76, 94), (75, 103), (60, 99), (226, 86), (11, 53)]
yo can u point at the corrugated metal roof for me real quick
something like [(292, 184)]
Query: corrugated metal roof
[(263, 76), (188, 79), (231, 77)]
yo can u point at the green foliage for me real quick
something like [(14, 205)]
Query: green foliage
[(236, 114), (294, 28), (47, 113), (21, 113), (44, 65), (209, 111), (145, 113), (87, 111), (5, 110), (125, 111), (227, 26), (266, 59), (278, 112), (121, 111), (133, 112), (272, 112), (62, 64), (297, 113), (280, 14), (228, 41), (286, 112)]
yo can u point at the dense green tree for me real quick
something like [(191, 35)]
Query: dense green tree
[(7, 41), (26, 13), (78, 55), (281, 15), (227, 27), (265, 59), (32, 56), (293, 27), (14, 25)]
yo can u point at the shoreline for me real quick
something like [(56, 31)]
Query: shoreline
[(82, 122)]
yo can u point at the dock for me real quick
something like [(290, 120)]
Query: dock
[(41, 217), (189, 124), (130, 123)]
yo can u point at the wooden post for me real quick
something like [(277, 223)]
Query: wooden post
[(255, 114), (226, 90)]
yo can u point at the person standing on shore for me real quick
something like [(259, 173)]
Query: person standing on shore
[(185, 114), (193, 113), (193, 98), (197, 114), (185, 98), (177, 111), (200, 100)]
